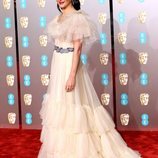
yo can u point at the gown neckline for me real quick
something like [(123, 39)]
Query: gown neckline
[(66, 15)]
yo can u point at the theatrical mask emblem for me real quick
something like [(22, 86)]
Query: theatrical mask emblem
[(102, 18), (144, 98), (24, 21), (8, 41), (45, 79), (28, 99), (122, 37), (11, 117), (6, 4), (104, 58), (123, 77), (26, 60), (43, 40), (105, 98), (41, 3), (124, 119), (82, 2), (120, 1), (142, 17), (10, 80), (143, 57)]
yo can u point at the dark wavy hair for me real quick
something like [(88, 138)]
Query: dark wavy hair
[(75, 3)]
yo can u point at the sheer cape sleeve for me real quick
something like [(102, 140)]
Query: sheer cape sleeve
[(74, 26)]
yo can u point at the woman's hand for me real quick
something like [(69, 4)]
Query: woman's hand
[(70, 84)]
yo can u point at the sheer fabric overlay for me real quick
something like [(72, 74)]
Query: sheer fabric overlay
[(73, 26)]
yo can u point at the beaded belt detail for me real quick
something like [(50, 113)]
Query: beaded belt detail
[(63, 50)]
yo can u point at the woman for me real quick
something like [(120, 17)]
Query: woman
[(75, 124)]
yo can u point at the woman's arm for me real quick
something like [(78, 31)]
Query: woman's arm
[(70, 84)]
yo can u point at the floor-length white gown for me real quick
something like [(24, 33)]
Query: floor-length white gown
[(75, 124)]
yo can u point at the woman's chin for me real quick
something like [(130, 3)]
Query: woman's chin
[(62, 5)]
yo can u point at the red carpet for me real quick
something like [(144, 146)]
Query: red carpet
[(25, 143)]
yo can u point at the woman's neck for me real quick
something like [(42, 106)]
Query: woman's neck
[(68, 10)]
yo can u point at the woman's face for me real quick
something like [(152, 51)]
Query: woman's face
[(63, 4)]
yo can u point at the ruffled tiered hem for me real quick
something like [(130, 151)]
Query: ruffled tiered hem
[(80, 131), (85, 145)]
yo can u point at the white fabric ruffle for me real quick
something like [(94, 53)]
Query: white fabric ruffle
[(75, 25)]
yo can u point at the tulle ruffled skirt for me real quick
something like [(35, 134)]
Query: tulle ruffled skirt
[(75, 124)]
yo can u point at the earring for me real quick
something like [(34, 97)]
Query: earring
[(72, 2)]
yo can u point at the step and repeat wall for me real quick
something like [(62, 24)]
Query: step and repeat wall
[(136, 61), (9, 103), (29, 54)]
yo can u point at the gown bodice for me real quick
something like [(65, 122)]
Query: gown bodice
[(72, 26)]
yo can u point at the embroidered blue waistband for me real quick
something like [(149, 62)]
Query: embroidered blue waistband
[(63, 50)]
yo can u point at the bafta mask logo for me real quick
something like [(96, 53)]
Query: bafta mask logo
[(104, 58), (45, 79), (144, 98), (24, 21), (124, 119), (28, 99), (120, 1), (26, 60), (11, 117), (102, 18), (41, 3), (82, 2), (8, 41), (123, 77), (43, 40), (143, 57), (105, 98), (122, 37), (10, 80), (6, 4), (142, 17)]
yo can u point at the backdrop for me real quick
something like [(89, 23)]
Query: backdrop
[(121, 64)]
